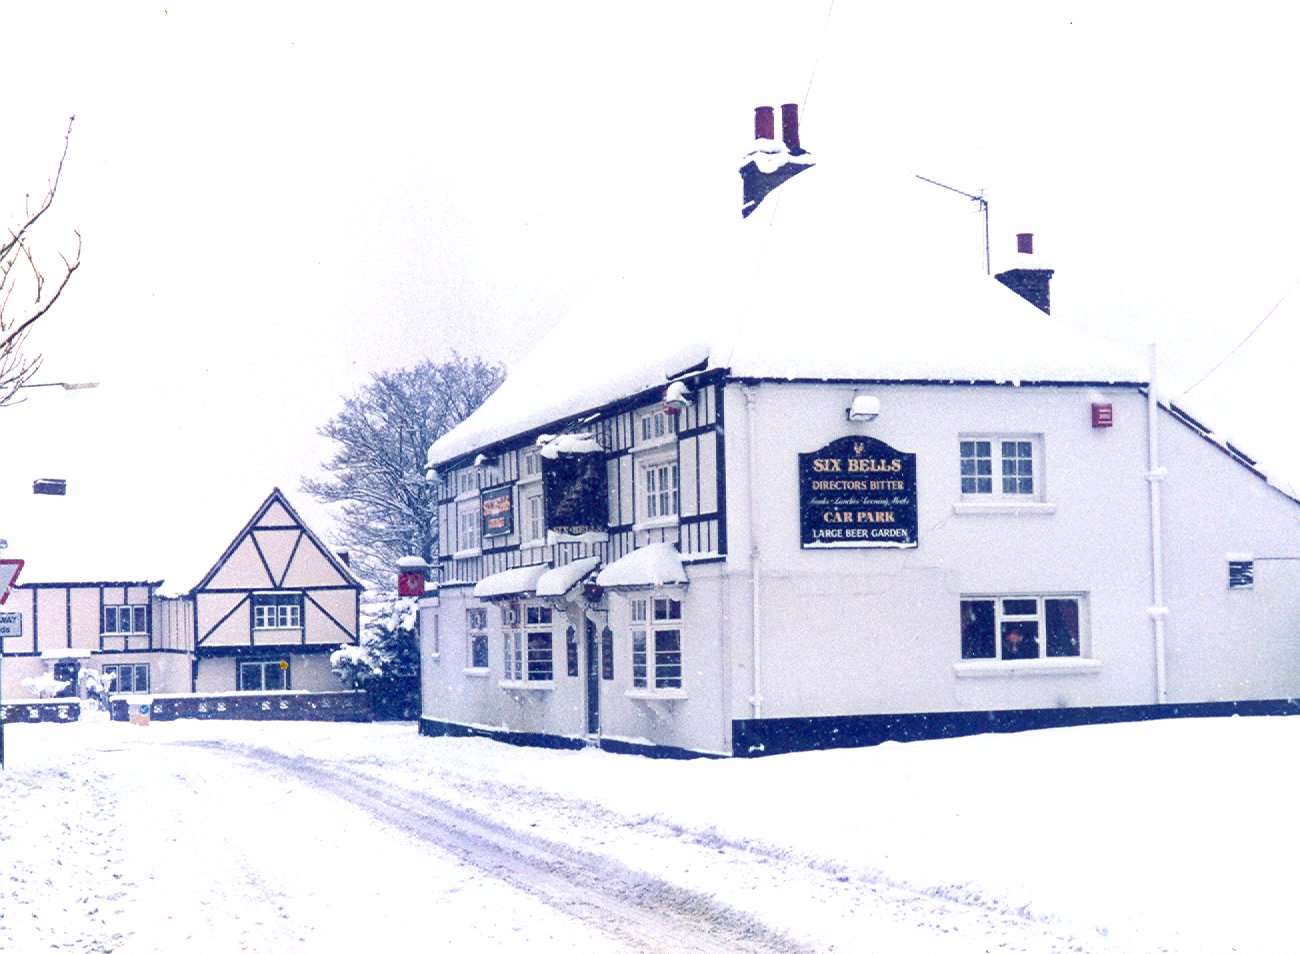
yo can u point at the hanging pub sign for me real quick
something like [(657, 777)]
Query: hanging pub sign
[(498, 512), (573, 486), (857, 492)]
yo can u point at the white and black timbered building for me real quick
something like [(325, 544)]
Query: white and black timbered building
[(823, 488)]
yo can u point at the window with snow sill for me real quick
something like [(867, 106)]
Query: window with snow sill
[(534, 518), (1022, 628), (527, 646), (659, 497), (476, 639), (656, 646), (1004, 469)]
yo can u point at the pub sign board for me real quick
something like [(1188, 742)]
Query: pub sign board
[(498, 512), (857, 492), (574, 493)]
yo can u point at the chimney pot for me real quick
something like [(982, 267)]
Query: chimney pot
[(790, 127), (764, 122), (1025, 243)]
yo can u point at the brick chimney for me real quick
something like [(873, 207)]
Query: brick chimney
[(769, 163), (1027, 278)]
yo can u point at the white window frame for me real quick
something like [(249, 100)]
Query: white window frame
[(115, 669), (124, 614), (654, 427), (523, 664), (288, 611), (532, 531), (530, 465), (654, 673), (469, 527), (999, 664), (262, 665), (476, 630), (650, 503), (998, 460)]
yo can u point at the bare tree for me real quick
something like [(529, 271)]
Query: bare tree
[(384, 431), (22, 272)]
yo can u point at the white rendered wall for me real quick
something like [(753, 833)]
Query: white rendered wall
[(876, 631), (1227, 644)]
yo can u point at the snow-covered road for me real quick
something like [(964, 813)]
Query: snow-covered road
[(228, 837)]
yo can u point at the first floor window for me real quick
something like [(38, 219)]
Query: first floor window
[(263, 675), (277, 610), (994, 467), (660, 482), (1020, 627), (126, 620), (468, 518), (128, 677), (476, 650), (534, 523), (656, 643)]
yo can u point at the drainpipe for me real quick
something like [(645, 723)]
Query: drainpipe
[(1155, 476), (756, 696)]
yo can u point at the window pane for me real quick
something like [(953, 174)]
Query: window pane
[(273, 676), (110, 619), (142, 678), (977, 629), (124, 619), (250, 677), (638, 659), (1020, 607), (1019, 640), (1062, 627), (607, 653), (124, 681), (571, 650), (539, 656), (479, 651), (668, 659), (141, 624)]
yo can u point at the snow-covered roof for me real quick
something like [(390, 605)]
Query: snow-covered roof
[(828, 279), (559, 581), (520, 581), (657, 564), (411, 563)]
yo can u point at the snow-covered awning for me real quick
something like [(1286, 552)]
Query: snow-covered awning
[(658, 564), (558, 582), (521, 581)]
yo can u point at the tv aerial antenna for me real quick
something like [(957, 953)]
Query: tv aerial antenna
[(984, 208)]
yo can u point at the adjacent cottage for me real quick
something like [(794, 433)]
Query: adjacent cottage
[(825, 488)]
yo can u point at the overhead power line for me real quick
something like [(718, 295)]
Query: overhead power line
[(1250, 334)]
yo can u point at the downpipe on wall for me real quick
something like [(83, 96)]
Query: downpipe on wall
[(756, 694)]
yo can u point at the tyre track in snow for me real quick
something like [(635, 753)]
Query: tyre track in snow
[(638, 910)]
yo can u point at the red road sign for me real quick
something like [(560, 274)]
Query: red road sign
[(9, 570)]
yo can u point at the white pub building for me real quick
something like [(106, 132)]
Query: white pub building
[(819, 489)]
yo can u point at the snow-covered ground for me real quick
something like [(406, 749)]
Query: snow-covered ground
[(282, 837)]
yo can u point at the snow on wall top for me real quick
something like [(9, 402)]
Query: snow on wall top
[(827, 279)]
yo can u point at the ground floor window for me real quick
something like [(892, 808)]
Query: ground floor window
[(128, 677), (656, 643), (476, 648), (1021, 627), (263, 675), (527, 643)]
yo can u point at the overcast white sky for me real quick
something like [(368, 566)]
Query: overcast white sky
[(278, 199)]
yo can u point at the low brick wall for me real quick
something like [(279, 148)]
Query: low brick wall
[(41, 710), (278, 706)]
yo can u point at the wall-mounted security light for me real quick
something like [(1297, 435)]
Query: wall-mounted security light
[(865, 407), (677, 397)]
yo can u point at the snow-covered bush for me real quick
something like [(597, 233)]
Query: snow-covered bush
[(391, 643), (354, 665), (45, 686), (96, 685)]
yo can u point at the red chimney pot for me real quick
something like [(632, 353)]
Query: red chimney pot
[(764, 122)]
